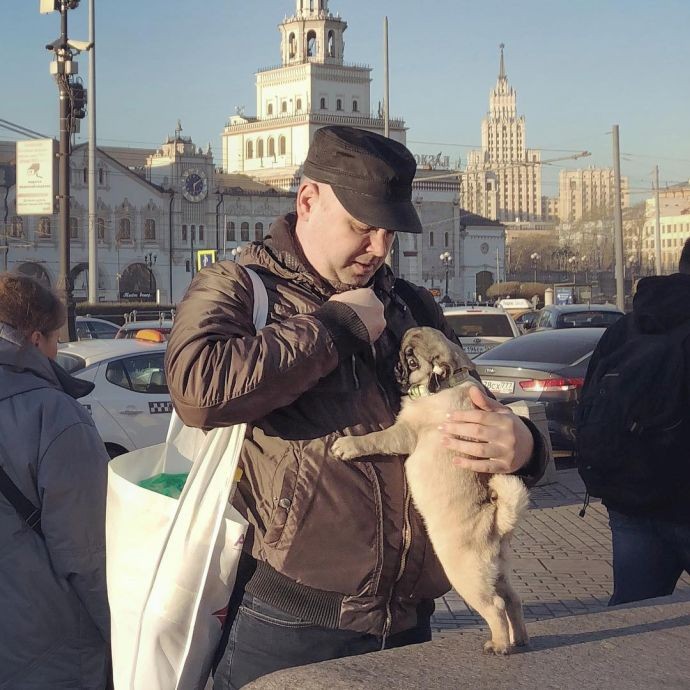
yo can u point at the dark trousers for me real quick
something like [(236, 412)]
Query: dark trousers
[(649, 555), (262, 639)]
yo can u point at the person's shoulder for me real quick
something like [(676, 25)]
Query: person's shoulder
[(418, 299), (222, 277)]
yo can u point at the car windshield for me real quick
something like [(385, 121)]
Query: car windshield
[(468, 325), (588, 319), (70, 363), (533, 348)]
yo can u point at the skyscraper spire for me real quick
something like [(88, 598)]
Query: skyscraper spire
[(502, 68)]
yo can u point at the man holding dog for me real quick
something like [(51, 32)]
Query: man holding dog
[(337, 561)]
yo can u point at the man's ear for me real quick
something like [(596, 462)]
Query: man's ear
[(35, 338), (307, 197)]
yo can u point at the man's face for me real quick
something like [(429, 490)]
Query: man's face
[(341, 248)]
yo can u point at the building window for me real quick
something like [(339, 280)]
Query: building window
[(260, 148), (322, 103), (292, 45), (101, 176), (201, 233), (244, 232), (298, 104), (271, 146), (431, 238), (283, 107), (184, 233), (269, 110), (259, 231), (339, 104), (100, 229), (85, 175), (331, 44), (311, 43), (445, 239), (281, 146), (73, 228), (125, 230), (250, 149), (17, 227), (355, 106), (44, 227), (229, 231), (149, 230)]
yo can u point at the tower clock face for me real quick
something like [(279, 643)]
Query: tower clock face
[(194, 185)]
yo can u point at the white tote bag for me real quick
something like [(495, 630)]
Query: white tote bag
[(171, 563)]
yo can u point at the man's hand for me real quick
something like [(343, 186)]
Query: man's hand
[(489, 439), (368, 308)]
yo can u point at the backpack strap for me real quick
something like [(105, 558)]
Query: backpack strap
[(260, 314), (410, 296), (26, 509)]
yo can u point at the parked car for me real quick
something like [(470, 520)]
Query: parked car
[(130, 329), (526, 320), (577, 316), (130, 404), (480, 328), (548, 367), (89, 327)]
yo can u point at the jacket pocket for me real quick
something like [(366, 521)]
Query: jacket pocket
[(284, 483)]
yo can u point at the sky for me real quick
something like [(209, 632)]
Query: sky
[(578, 66)]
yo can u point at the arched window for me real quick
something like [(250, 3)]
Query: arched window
[(184, 233), (269, 109), (298, 104), (260, 148), (85, 175), (124, 233), (229, 231), (149, 230), (244, 232), (283, 107), (101, 176), (281, 146), (17, 227), (271, 146), (355, 106), (311, 43), (292, 45), (250, 149), (201, 233), (322, 103), (445, 239), (73, 228), (331, 44), (44, 227), (100, 229), (431, 238), (339, 104), (259, 231)]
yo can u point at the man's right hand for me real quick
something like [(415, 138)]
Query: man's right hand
[(368, 308)]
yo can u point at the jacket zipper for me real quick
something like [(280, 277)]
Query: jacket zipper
[(407, 542)]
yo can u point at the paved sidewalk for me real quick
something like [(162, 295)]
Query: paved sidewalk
[(562, 562)]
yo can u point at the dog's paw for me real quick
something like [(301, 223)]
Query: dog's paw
[(491, 647), (344, 448)]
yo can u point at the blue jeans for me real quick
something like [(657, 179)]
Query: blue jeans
[(263, 639), (649, 555)]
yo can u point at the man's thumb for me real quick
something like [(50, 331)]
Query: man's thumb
[(482, 400)]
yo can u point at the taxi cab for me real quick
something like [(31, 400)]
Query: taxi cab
[(130, 403), (480, 328)]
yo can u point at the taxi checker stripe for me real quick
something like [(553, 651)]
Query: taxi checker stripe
[(161, 407)]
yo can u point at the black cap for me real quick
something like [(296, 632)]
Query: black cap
[(371, 176)]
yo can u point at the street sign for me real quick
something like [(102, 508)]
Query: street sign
[(36, 177), (564, 295), (204, 258)]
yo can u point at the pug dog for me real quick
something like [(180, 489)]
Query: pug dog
[(469, 516)]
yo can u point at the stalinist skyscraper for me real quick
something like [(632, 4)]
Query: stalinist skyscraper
[(503, 180)]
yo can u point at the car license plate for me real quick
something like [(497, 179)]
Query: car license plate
[(475, 349), (499, 386)]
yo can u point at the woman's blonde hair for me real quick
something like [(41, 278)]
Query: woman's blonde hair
[(27, 305)]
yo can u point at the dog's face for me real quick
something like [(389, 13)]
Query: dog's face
[(428, 357)]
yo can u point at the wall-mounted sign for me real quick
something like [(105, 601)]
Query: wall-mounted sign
[(36, 177), (204, 258)]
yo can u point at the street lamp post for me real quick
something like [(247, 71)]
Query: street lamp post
[(150, 262), (235, 252), (573, 264), (535, 259), (447, 261)]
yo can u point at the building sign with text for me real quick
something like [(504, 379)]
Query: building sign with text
[(36, 177)]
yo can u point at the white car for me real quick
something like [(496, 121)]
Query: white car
[(481, 328), (130, 404)]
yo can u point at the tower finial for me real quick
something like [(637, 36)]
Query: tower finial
[(502, 69)]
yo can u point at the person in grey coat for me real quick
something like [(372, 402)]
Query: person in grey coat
[(54, 617)]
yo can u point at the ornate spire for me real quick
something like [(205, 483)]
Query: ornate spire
[(502, 68)]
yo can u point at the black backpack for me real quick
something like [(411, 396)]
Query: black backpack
[(632, 421)]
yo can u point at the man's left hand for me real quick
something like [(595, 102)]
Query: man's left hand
[(490, 439)]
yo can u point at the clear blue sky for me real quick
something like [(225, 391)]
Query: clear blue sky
[(578, 66)]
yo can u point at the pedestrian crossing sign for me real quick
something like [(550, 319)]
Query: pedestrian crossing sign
[(205, 257)]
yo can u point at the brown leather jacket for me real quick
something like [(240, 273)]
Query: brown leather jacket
[(338, 543)]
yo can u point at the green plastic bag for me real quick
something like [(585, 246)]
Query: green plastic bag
[(166, 484)]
